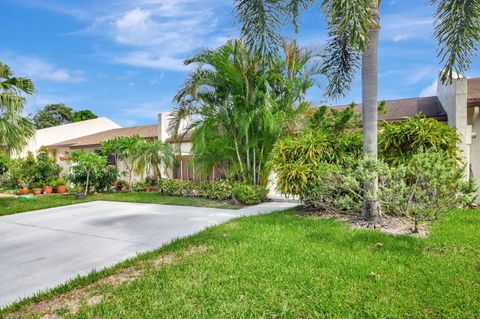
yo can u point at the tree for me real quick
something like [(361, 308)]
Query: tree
[(124, 148), (84, 115), (353, 26), (151, 156), (88, 163), (241, 106), (15, 130), (53, 115)]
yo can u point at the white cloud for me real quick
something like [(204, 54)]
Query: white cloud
[(430, 90), (420, 74), (39, 69), (156, 34), (415, 24)]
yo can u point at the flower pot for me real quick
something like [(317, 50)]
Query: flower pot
[(148, 189), (154, 188), (47, 189), (37, 191), (23, 191), (61, 189), (79, 195)]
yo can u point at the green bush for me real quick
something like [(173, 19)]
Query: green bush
[(59, 182), (399, 141), (430, 184), (219, 189), (250, 195), (175, 187)]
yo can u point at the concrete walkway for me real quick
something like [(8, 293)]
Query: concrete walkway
[(42, 249)]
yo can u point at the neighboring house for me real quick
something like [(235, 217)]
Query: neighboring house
[(56, 134), (92, 142)]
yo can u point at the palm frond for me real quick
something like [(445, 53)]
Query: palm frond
[(457, 29)]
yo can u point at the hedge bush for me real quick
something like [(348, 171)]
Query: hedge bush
[(250, 195)]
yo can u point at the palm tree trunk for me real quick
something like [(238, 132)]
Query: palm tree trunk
[(370, 113)]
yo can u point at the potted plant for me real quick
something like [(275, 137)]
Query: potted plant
[(59, 185), (47, 189), (37, 189)]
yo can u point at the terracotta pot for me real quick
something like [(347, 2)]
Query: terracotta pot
[(148, 189), (23, 191), (154, 188), (61, 189), (37, 191), (47, 189)]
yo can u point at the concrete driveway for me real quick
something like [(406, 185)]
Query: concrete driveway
[(42, 249)]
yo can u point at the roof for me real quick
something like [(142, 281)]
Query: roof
[(145, 131), (187, 137), (474, 92), (398, 110)]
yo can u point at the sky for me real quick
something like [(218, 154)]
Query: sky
[(123, 59)]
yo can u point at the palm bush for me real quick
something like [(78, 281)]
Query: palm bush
[(241, 106)]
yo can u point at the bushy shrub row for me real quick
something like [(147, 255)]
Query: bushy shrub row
[(220, 189)]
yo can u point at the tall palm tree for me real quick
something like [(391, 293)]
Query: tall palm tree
[(353, 26), (15, 129), (242, 106)]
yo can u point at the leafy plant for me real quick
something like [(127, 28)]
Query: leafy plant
[(241, 106), (86, 166), (249, 194), (175, 187), (399, 141), (15, 129), (58, 182)]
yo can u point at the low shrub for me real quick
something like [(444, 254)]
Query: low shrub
[(430, 184), (218, 189), (250, 195), (175, 187), (59, 182)]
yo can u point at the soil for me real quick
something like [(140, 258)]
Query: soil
[(393, 225)]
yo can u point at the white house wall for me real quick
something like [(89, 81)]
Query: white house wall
[(58, 134)]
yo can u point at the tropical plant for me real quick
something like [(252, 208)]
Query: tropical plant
[(241, 106), (151, 157), (86, 163), (15, 130), (353, 27), (45, 170), (301, 161), (399, 141), (124, 148)]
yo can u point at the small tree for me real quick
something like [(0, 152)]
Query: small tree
[(88, 163), (84, 115), (150, 155)]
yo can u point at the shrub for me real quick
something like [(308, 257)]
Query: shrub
[(4, 163), (175, 187), (218, 189), (250, 195), (428, 185), (45, 168), (399, 141)]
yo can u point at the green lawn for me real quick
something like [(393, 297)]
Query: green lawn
[(15, 205), (284, 265)]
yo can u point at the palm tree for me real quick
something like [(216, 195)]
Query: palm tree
[(15, 130), (241, 106), (151, 156), (353, 26)]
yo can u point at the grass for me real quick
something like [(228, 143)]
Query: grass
[(284, 265), (15, 205)]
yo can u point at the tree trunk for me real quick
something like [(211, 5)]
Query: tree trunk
[(370, 113), (86, 183)]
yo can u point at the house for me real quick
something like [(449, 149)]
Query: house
[(56, 134)]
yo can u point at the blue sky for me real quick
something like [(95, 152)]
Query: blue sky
[(123, 58)]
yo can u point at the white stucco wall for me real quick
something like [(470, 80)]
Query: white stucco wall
[(454, 101), (57, 134)]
